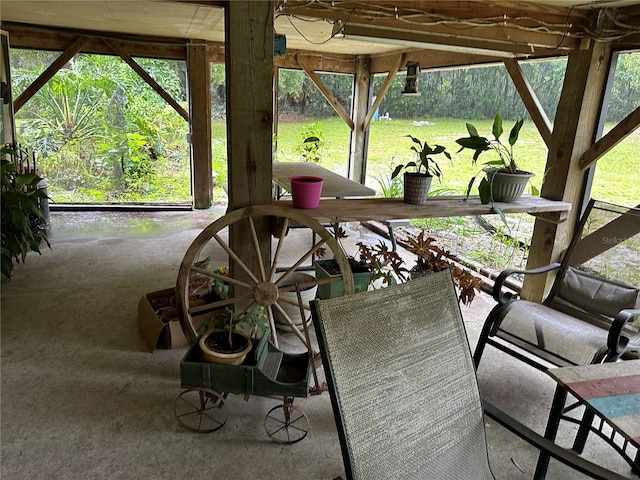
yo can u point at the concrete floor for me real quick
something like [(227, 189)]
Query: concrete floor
[(82, 397)]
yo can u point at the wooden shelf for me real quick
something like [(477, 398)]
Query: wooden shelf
[(381, 209)]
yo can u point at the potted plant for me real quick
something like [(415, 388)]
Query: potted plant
[(370, 264), (432, 258), (226, 342), (504, 180), (225, 339), (23, 222), (418, 174)]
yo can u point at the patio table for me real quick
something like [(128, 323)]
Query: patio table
[(611, 392), (334, 185)]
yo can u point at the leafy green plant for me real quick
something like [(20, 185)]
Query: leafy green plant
[(505, 162), (22, 219), (229, 320), (390, 187), (310, 142), (478, 144), (426, 163)]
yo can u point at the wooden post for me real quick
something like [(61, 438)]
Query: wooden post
[(200, 124), (249, 79), (574, 132), (360, 132)]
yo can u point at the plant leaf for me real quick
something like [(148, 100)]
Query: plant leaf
[(484, 189), (515, 131), (497, 126)]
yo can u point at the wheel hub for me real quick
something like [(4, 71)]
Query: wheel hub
[(265, 293)]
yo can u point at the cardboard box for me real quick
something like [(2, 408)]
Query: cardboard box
[(155, 330)]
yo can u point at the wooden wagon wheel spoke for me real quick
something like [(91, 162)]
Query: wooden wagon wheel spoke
[(235, 258), (302, 259), (291, 324), (256, 247), (219, 276), (254, 284), (208, 307), (276, 255)]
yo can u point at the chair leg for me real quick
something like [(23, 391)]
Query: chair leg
[(583, 431), (550, 432), (484, 336)]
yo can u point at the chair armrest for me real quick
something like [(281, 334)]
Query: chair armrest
[(504, 298), (616, 341), (564, 455)]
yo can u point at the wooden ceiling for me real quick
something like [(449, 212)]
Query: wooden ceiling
[(436, 33)]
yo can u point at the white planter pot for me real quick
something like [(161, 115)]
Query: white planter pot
[(293, 311), (507, 187)]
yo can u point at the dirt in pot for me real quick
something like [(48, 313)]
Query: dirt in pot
[(219, 342)]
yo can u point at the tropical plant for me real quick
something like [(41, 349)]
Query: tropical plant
[(310, 142), (426, 162), (229, 320), (505, 163), (506, 160), (432, 258), (23, 223)]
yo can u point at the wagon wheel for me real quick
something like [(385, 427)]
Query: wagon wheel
[(200, 410), (286, 423), (258, 284)]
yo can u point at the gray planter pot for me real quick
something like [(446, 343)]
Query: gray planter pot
[(507, 187), (416, 188)]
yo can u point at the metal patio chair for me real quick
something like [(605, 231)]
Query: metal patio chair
[(403, 386), (592, 312)]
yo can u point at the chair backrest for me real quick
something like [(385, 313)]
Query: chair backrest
[(600, 272), (402, 382)]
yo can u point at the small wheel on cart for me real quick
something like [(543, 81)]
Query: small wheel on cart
[(286, 423), (201, 410)]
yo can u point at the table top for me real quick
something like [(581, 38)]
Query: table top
[(610, 390), (334, 185), (382, 209)]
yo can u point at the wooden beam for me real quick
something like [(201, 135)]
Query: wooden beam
[(199, 78), (249, 84), (383, 89), (340, 110), (336, 63), (618, 133), (579, 108), (120, 51), (530, 100), (56, 39), (45, 76), (361, 100), (606, 237)]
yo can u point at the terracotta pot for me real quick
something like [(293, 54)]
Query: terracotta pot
[(305, 191), (214, 356), (416, 188)]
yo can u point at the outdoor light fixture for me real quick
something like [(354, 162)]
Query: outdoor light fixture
[(411, 82)]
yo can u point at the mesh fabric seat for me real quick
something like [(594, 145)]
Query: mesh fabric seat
[(403, 385)]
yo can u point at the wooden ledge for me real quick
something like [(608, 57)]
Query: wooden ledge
[(382, 209)]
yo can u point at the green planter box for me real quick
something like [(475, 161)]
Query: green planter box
[(336, 289)]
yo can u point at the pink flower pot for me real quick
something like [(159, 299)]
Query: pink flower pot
[(305, 191)]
